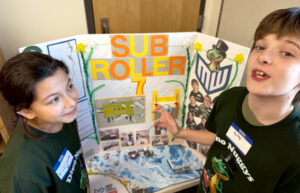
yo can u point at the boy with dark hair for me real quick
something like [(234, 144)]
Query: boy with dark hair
[(205, 107), (195, 92), (44, 153), (254, 132), (193, 107)]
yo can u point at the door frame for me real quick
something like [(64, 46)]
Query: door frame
[(88, 4), (89, 12)]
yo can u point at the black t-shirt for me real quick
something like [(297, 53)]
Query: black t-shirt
[(48, 164), (195, 110), (191, 124), (198, 96), (246, 158)]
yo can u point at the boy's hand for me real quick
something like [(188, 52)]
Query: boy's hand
[(166, 121)]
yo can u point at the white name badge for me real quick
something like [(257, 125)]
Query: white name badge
[(63, 163), (239, 139)]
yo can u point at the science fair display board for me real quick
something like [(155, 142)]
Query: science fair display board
[(121, 78)]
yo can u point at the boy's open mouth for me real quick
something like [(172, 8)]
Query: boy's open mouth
[(257, 74)]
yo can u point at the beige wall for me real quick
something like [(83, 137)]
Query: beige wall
[(240, 18), (23, 23), (211, 17)]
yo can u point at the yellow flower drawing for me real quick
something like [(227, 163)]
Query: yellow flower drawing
[(198, 47), (239, 58), (80, 48)]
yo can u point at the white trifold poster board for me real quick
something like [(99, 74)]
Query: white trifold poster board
[(121, 78)]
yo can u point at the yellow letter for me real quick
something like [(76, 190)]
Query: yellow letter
[(132, 45), (102, 70), (156, 65), (132, 73)]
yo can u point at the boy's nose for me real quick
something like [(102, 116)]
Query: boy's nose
[(265, 58), (69, 101)]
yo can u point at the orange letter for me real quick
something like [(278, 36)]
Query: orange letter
[(180, 66), (162, 44), (121, 46), (113, 73), (140, 86)]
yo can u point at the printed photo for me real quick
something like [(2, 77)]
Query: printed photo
[(110, 145), (142, 137), (120, 111), (160, 140), (127, 139), (109, 134)]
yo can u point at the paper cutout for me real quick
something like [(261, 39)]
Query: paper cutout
[(32, 48), (138, 45), (140, 85), (171, 103)]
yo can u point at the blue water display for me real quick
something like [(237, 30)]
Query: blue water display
[(149, 169)]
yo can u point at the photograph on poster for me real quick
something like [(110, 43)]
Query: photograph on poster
[(127, 139), (142, 137), (120, 111), (109, 134), (160, 140), (110, 145)]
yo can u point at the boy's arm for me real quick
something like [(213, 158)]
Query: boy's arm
[(168, 122)]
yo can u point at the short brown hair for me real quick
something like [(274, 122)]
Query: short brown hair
[(194, 81), (280, 22), (19, 76)]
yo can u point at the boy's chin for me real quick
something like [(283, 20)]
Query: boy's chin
[(252, 88), (70, 120)]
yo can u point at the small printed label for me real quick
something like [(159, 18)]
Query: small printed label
[(63, 164), (239, 139)]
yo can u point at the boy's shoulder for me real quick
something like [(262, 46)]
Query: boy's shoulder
[(11, 155), (235, 90), (19, 155), (296, 116), (233, 94)]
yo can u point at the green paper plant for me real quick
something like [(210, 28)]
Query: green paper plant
[(80, 48), (198, 48)]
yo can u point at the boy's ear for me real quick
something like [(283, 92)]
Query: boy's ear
[(27, 113)]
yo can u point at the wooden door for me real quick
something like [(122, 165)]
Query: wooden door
[(142, 16), (6, 111)]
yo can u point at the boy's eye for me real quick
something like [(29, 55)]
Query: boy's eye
[(289, 54), (54, 100), (71, 85), (259, 47)]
